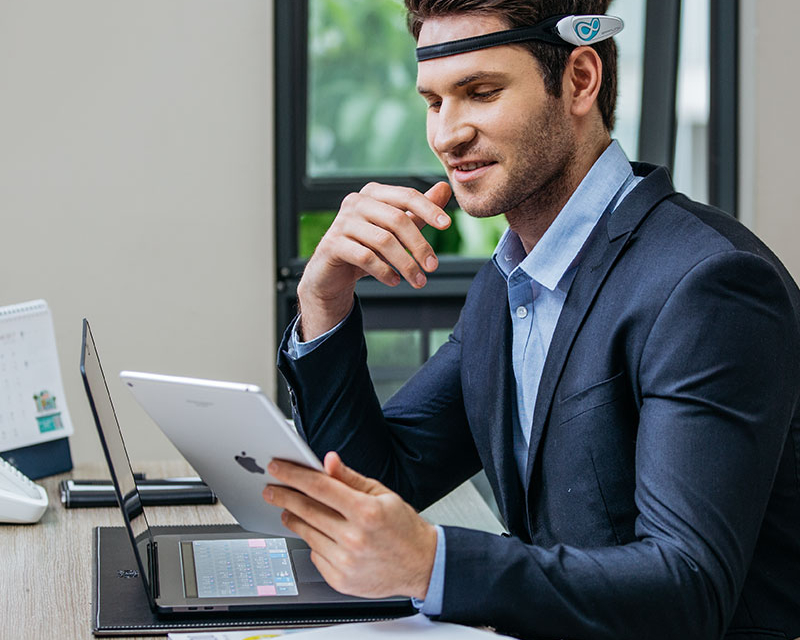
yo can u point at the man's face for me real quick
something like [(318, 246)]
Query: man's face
[(503, 140)]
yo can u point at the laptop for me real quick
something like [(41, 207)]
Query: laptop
[(213, 572)]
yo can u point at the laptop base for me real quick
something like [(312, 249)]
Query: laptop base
[(120, 606)]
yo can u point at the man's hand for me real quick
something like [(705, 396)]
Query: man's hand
[(365, 540), (377, 233)]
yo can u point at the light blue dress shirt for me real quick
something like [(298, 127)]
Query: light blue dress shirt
[(537, 288)]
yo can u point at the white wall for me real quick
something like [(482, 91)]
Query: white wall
[(770, 131), (136, 188)]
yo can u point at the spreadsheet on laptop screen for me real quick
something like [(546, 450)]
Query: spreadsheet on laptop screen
[(240, 568)]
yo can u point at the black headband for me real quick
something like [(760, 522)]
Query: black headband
[(558, 30)]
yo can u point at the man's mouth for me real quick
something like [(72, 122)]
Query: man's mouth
[(471, 166), (467, 171)]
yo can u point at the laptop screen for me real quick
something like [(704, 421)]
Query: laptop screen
[(114, 448)]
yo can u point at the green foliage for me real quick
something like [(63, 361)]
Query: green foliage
[(313, 226), (364, 116), (394, 347)]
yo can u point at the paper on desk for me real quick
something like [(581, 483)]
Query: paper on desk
[(399, 629), (252, 634)]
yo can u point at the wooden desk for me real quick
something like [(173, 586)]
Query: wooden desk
[(46, 572)]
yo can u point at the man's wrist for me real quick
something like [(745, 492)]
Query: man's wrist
[(431, 603), (318, 316), (420, 591)]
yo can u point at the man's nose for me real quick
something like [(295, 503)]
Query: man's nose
[(453, 129)]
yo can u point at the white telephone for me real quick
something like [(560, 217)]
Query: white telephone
[(21, 500)]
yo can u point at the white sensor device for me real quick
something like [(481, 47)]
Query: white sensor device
[(584, 30)]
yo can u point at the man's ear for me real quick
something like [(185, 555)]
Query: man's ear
[(582, 79)]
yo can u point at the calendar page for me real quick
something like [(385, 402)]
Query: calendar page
[(33, 406)]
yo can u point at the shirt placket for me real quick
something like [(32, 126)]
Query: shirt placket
[(521, 305)]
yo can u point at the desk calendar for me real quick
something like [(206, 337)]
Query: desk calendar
[(33, 407)]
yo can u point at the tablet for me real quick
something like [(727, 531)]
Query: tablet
[(228, 432)]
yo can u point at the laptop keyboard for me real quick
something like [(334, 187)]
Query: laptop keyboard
[(243, 568)]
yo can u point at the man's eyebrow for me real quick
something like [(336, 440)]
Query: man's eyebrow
[(481, 75), (473, 77)]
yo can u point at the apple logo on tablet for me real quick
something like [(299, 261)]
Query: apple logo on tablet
[(248, 463)]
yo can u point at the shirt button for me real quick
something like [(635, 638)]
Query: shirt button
[(522, 312)]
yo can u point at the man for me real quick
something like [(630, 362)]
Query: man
[(626, 369)]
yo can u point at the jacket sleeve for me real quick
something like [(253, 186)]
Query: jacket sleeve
[(719, 384), (418, 445)]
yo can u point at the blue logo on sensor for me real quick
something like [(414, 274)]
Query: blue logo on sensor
[(587, 30)]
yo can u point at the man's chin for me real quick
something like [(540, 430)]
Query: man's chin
[(476, 207)]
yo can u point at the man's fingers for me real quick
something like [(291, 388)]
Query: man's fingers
[(392, 238), (439, 194), (339, 470), (408, 199), (371, 263), (315, 539), (389, 244), (332, 575), (378, 231), (403, 228), (317, 485), (318, 515)]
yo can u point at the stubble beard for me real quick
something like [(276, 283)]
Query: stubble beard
[(538, 180)]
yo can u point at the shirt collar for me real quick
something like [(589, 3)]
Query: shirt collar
[(560, 245)]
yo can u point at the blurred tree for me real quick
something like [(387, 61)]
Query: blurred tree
[(364, 116)]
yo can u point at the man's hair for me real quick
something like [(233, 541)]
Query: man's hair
[(552, 59)]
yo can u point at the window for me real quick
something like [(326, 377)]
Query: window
[(693, 101), (363, 116), (347, 113)]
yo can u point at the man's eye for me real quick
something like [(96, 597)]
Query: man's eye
[(483, 95), (435, 104)]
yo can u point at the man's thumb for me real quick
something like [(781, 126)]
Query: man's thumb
[(439, 194), (339, 470)]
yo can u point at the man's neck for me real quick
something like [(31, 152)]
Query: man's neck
[(531, 219)]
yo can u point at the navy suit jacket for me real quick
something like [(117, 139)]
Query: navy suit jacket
[(662, 494)]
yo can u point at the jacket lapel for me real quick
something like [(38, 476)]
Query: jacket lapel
[(603, 248)]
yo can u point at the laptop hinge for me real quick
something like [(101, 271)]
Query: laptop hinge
[(152, 567)]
